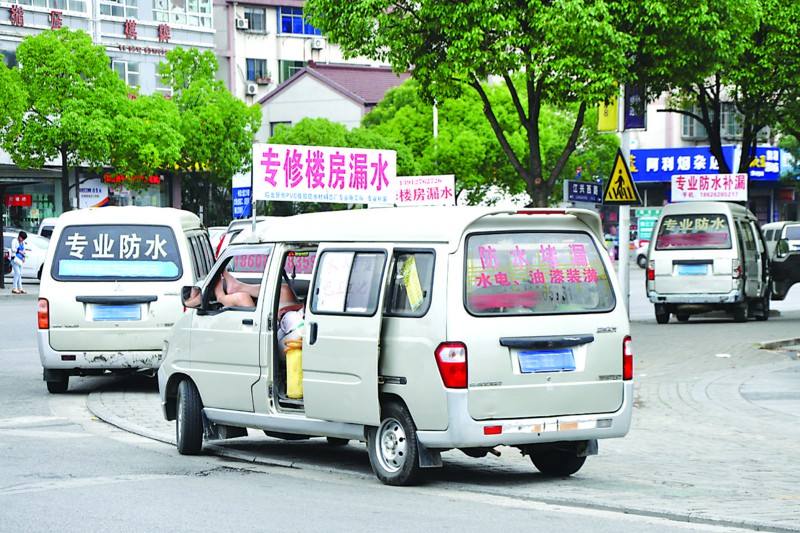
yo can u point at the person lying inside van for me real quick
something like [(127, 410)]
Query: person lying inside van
[(231, 292)]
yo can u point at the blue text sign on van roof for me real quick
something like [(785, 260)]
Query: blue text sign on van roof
[(660, 164)]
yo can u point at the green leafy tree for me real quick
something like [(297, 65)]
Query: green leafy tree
[(565, 52), (217, 130), (68, 96)]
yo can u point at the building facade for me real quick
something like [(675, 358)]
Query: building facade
[(136, 34)]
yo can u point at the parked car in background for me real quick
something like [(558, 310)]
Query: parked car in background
[(234, 229), (215, 234), (35, 251), (46, 227), (641, 253), (775, 231), (785, 259)]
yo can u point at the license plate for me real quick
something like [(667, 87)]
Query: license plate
[(546, 361), (692, 270), (102, 313)]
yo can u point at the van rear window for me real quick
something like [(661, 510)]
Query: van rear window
[(117, 252), (694, 232), (532, 273)]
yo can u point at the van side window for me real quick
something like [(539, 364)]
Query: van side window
[(768, 234), (747, 236), (348, 283), (410, 284), (195, 258)]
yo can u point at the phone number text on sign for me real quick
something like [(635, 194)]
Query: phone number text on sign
[(323, 174)]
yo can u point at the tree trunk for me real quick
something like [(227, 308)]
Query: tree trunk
[(65, 206), (711, 122)]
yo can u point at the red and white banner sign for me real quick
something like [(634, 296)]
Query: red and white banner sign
[(19, 200), (323, 174), (421, 190), (709, 187)]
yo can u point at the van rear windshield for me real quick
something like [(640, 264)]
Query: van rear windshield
[(694, 232), (117, 252), (532, 273)]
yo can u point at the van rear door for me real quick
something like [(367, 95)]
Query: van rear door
[(693, 254), (342, 341), (543, 330), (115, 287)]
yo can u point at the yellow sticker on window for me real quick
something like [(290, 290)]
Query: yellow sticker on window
[(411, 283)]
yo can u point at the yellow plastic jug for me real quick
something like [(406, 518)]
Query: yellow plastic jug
[(294, 369)]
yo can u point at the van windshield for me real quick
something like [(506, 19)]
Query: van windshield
[(116, 252), (694, 232), (533, 273)]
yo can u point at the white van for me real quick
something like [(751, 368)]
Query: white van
[(425, 329), (783, 240), (707, 256), (110, 288)]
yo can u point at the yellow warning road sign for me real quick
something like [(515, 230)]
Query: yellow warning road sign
[(620, 188)]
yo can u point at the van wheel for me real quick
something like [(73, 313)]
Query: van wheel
[(662, 315), (336, 441), (393, 447), (682, 317), (740, 312), (642, 261), (189, 419), (60, 385), (557, 462)]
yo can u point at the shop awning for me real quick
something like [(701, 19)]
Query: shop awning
[(13, 175)]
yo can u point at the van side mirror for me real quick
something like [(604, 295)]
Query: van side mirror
[(782, 248), (191, 297)]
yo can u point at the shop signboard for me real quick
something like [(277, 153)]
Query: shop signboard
[(241, 193), (712, 187), (583, 191), (93, 193), (19, 200), (661, 164), (323, 174)]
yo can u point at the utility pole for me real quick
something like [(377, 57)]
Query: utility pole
[(624, 219)]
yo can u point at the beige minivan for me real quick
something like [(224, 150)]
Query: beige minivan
[(708, 256), (420, 330), (111, 286)]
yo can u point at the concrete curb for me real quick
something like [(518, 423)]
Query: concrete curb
[(779, 343), (6, 295), (99, 410)]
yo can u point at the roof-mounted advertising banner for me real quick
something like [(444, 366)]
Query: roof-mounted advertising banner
[(324, 174), (717, 187)]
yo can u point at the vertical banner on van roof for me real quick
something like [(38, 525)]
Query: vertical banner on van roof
[(323, 174), (705, 187)]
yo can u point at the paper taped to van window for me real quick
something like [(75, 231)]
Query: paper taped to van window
[(411, 283), (102, 252), (525, 273)]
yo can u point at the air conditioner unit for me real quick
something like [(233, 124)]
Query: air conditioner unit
[(317, 43), (251, 89), (242, 24)]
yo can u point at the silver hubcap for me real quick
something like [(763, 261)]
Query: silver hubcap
[(392, 445)]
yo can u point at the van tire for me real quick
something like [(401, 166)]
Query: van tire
[(336, 441), (556, 462), (189, 419), (740, 312), (392, 446), (642, 261), (60, 385), (662, 315)]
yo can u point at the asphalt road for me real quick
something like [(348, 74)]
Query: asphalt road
[(64, 470)]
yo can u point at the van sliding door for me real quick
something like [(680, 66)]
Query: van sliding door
[(343, 326)]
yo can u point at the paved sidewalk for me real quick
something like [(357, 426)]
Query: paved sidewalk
[(715, 435)]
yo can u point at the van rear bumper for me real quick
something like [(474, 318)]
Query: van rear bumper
[(731, 297), (465, 432), (96, 360)]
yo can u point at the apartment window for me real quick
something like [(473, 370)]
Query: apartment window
[(288, 68), (10, 59), (691, 128), (257, 70), (119, 8), (68, 5), (256, 19), (127, 71), (291, 20), (730, 121), (161, 87), (275, 126), (186, 12)]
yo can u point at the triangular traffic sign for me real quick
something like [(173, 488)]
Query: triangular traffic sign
[(620, 188)]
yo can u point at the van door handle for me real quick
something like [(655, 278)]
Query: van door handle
[(312, 333), (247, 321)]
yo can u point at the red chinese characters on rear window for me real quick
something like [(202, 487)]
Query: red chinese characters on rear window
[(535, 273), (694, 232)]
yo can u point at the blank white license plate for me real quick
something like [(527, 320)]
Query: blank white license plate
[(101, 313)]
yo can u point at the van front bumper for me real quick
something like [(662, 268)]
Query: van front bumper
[(99, 360), (465, 432), (731, 297)]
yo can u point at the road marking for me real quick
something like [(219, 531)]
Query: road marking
[(18, 421), (43, 434), (723, 355), (62, 484)]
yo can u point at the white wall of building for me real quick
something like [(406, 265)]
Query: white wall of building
[(308, 97)]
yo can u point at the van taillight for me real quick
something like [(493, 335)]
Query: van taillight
[(627, 359), (736, 268), (451, 358), (651, 271), (43, 314)]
